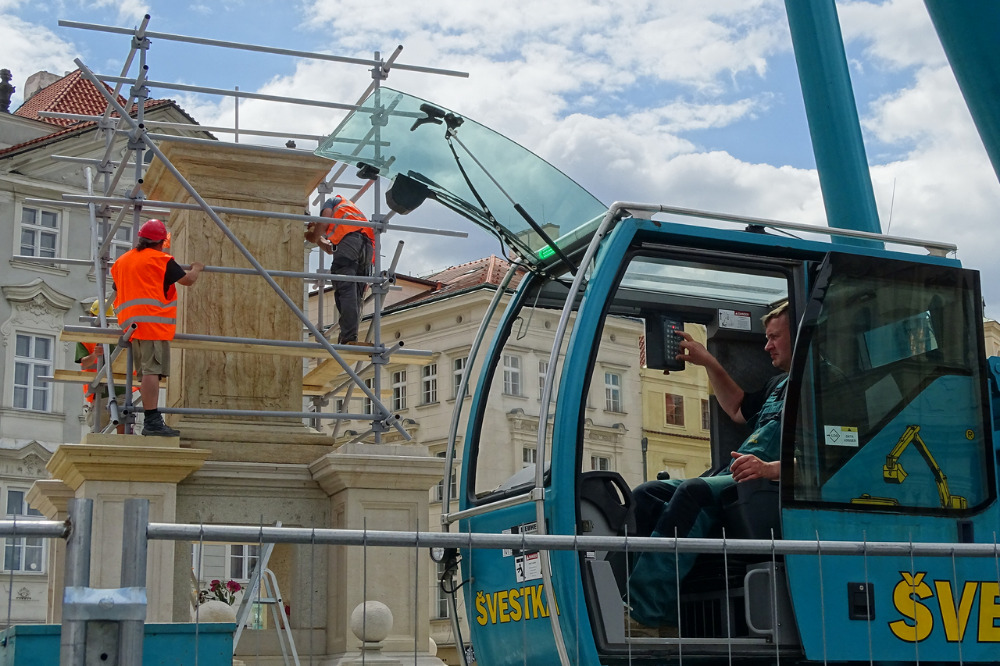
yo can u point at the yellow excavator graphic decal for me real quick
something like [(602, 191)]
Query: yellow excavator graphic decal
[(893, 472)]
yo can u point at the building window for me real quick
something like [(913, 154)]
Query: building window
[(613, 392), (543, 368), (443, 604), (32, 360), (39, 232), (529, 455), (242, 560), (602, 463), (429, 384), (457, 368), (22, 553), (706, 416), (368, 406), (674, 405), (399, 390), (122, 241), (511, 374), (439, 489)]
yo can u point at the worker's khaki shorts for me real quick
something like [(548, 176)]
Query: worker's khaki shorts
[(151, 357)]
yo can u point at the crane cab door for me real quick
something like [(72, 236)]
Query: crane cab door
[(887, 437)]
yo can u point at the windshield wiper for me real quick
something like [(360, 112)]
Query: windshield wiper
[(436, 116)]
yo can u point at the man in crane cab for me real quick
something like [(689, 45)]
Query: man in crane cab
[(692, 507)]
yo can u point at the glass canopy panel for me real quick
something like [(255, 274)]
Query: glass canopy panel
[(701, 282), (394, 133)]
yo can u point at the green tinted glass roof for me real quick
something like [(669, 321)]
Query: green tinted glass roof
[(703, 282), (400, 134)]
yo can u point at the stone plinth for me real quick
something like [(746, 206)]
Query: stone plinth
[(51, 497), (237, 305), (379, 487), (110, 469)]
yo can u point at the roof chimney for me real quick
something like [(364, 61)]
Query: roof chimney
[(38, 81)]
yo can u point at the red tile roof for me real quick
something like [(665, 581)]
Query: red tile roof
[(70, 94), (488, 271)]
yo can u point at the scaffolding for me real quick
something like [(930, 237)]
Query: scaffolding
[(340, 367)]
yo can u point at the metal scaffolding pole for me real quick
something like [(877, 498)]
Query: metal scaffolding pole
[(140, 141), (382, 410)]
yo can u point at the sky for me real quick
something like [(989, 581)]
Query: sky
[(691, 103)]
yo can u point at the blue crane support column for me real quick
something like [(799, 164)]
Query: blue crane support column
[(969, 31), (833, 117)]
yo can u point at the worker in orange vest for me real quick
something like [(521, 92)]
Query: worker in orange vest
[(353, 250), (146, 296)]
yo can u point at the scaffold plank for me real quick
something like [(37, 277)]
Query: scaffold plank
[(218, 345), (85, 377)]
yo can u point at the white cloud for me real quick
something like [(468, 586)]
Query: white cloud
[(126, 10), (30, 48), (612, 93), (898, 33)]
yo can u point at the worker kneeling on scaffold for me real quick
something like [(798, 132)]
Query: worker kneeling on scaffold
[(692, 507), (146, 296), (353, 250), (90, 356)]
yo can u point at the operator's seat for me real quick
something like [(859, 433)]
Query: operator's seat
[(606, 509), (751, 510)]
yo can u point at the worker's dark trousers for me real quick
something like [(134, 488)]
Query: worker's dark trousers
[(351, 256)]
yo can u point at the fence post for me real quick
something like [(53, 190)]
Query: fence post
[(73, 638), (134, 548)]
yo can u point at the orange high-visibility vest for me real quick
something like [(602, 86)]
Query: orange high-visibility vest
[(139, 300), (90, 347), (346, 210)]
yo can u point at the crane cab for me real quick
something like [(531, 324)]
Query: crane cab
[(887, 347), (886, 430)]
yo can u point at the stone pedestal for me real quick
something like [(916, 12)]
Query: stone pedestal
[(110, 469), (379, 487), (51, 497), (238, 305)]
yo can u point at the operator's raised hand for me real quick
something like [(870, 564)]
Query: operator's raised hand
[(693, 351)]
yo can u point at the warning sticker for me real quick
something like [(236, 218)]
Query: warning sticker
[(737, 320), (525, 528), (527, 567), (841, 436)]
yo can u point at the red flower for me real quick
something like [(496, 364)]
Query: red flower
[(233, 586)]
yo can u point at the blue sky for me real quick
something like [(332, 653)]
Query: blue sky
[(692, 103)]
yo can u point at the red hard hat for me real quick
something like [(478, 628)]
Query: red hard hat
[(154, 230)]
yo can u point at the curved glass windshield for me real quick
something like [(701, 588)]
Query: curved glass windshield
[(891, 410), (465, 166)]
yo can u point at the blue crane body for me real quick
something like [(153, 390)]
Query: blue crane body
[(888, 430)]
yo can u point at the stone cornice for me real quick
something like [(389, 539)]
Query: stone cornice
[(377, 467), (25, 293), (77, 463), (51, 497)]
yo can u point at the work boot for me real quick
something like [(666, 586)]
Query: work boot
[(154, 426)]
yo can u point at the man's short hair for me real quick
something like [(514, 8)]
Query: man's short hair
[(780, 309)]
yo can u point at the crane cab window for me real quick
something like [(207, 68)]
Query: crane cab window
[(719, 302), (890, 409)]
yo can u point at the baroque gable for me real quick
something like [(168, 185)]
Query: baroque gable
[(35, 306)]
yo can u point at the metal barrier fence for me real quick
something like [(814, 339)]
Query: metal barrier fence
[(125, 607)]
